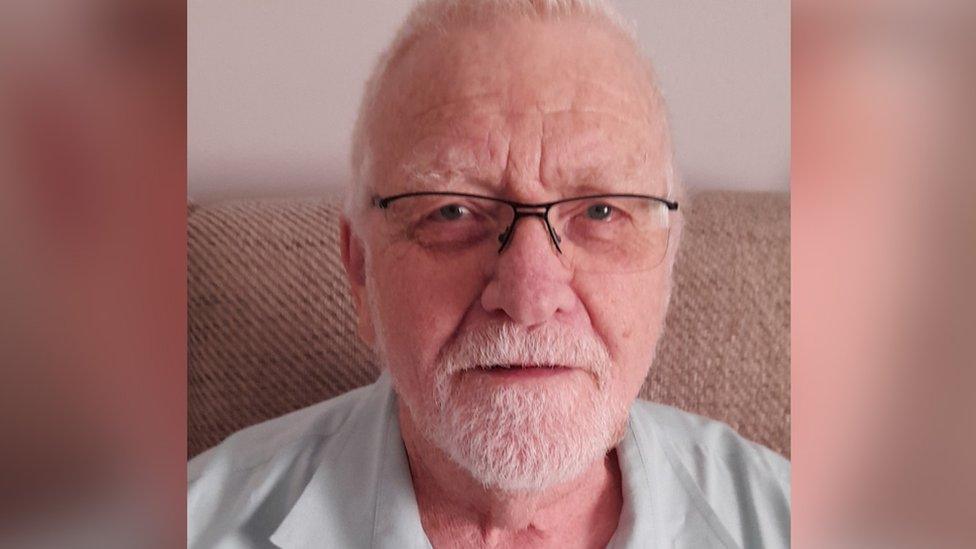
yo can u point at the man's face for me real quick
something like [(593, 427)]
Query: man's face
[(530, 112)]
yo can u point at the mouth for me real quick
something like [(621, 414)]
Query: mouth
[(522, 371)]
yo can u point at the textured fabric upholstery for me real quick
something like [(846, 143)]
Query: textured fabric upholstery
[(271, 328)]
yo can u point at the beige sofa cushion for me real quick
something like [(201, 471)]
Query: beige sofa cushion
[(271, 329)]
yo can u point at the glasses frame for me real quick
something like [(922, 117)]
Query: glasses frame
[(522, 209)]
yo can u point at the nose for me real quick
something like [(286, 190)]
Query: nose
[(530, 284)]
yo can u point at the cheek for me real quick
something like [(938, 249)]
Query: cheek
[(627, 312), (420, 303)]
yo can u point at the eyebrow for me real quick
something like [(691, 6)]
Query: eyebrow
[(591, 180), (467, 177), (420, 177)]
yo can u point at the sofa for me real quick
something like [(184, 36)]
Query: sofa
[(271, 328)]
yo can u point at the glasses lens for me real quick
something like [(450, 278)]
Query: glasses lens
[(448, 222), (612, 234)]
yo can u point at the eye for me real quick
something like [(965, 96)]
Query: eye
[(452, 212), (599, 212)]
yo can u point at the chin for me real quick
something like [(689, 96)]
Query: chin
[(524, 436)]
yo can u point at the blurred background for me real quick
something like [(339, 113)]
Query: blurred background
[(93, 187), (92, 273), (883, 305), (274, 87)]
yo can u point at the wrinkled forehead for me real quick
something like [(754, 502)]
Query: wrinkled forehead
[(575, 84)]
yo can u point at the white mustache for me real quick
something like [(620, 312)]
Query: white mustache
[(508, 344)]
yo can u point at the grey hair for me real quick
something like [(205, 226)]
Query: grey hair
[(440, 16)]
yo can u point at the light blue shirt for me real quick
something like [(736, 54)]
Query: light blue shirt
[(336, 475)]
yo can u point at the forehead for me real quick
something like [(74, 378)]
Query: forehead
[(472, 98), (548, 64)]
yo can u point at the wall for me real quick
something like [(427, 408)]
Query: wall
[(274, 87)]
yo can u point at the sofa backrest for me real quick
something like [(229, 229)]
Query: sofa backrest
[(271, 328)]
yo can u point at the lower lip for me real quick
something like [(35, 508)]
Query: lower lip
[(524, 373)]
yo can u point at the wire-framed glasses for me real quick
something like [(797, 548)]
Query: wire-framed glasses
[(601, 233)]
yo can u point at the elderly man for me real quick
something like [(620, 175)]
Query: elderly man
[(509, 242)]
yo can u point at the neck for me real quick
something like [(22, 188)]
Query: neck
[(455, 506)]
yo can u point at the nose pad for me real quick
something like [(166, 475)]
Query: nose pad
[(528, 283), (506, 237), (531, 246)]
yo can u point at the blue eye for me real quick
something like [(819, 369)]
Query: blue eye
[(452, 212), (599, 212)]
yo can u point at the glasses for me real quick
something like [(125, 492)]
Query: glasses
[(596, 233)]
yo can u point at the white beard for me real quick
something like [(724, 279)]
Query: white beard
[(522, 437)]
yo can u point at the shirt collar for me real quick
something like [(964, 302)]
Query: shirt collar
[(361, 494), (663, 506)]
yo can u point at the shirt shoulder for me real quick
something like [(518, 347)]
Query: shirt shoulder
[(264, 441), (251, 479), (745, 484), (696, 438)]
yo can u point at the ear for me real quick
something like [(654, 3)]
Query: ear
[(354, 260)]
